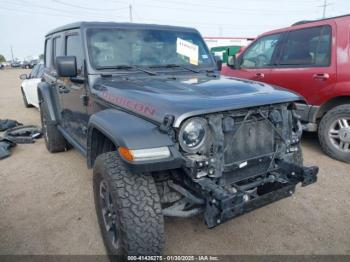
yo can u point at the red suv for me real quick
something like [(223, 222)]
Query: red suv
[(313, 59)]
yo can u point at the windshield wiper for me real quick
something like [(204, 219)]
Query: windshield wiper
[(180, 66), (127, 67), (146, 71)]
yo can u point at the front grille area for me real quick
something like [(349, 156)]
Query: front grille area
[(250, 139)]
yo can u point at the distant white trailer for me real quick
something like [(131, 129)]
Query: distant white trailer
[(227, 41)]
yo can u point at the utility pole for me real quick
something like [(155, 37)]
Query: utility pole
[(12, 53), (130, 13), (324, 6)]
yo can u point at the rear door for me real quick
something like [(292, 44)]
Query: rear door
[(257, 60), (306, 63)]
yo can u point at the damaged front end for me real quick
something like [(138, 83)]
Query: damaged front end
[(235, 162)]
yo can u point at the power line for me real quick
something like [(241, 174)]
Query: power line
[(34, 12), (33, 5), (64, 11), (198, 23), (211, 8), (88, 8), (46, 13), (137, 15), (58, 12)]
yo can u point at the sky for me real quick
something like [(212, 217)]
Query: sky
[(24, 23)]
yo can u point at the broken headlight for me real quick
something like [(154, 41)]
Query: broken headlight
[(193, 134)]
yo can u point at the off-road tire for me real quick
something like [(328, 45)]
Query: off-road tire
[(25, 101), (139, 219), (326, 121), (54, 140)]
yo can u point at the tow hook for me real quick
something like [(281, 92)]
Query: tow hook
[(309, 175), (303, 174)]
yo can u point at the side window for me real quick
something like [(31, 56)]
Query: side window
[(260, 53), (48, 54), (34, 72), (57, 48), (40, 71), (74, 48), (307, 47)]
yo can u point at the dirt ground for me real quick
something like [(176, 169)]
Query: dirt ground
[(46, 204)]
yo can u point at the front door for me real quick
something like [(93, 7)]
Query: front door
[(73, 92), (256, 61)]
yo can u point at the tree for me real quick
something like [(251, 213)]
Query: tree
[(2, 59), (41, 56)]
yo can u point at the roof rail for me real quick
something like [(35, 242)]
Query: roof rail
[(311, 21)]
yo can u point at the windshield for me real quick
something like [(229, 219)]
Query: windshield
[(110, 48)]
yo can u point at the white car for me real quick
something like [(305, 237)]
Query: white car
[(29, 86)]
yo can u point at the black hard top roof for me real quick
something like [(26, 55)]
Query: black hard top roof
[(77, 25)]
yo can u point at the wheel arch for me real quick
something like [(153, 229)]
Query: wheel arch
[(118, 128), (330, 104), (98, 143)]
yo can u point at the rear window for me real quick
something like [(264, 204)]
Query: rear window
[(307, 47)]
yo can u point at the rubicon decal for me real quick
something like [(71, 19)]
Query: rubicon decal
[(129, 104)]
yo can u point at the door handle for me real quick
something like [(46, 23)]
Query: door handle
[(321, 76), (260, 75)]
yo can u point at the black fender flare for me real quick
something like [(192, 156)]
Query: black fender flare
[(46, 93), (132, 132)]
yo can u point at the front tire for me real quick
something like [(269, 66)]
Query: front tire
[(54, 140), (334, 133), (128, 208)]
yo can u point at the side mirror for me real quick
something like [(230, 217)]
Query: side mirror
[(218, 62), (231, 61), (23, 77), (66, 66)]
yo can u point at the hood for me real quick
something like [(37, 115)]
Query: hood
[(155, 97)]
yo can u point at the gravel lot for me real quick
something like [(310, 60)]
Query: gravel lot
[(46, 204)]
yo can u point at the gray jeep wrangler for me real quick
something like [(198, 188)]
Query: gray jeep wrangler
[(165, 134)]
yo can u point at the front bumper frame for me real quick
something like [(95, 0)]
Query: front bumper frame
[(222, 205)]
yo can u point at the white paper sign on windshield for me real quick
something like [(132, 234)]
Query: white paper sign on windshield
[(188, 49)]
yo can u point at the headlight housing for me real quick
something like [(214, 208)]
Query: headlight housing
[(193, 134)]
